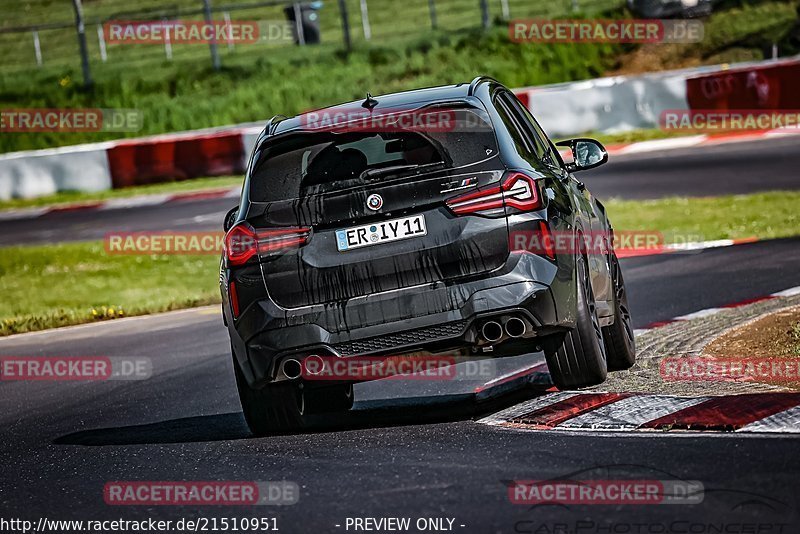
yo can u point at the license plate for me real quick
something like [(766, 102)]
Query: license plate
[(382, 232)]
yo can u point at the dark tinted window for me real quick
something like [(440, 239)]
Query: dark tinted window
[(538, 133), (314, 162), (539, 146), (514, 129)]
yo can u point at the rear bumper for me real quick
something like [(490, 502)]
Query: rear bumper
[(431, 317)]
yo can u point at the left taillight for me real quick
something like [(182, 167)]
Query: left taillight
[(243, 242), (518, 191)]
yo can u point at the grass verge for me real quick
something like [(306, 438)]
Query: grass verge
[(187, 186), (59, 285), (767, 215)]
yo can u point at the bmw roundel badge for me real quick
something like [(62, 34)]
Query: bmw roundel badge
[(375, 202)]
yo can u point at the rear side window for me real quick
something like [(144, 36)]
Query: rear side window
[(317, 162), (536, 146)]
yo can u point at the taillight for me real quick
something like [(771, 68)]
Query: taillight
[(242, 242), (520, 191), (517, 191)]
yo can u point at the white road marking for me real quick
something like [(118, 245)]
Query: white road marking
[(134, 202), (24, 213), (631, 413), (662, 144), (787, 421), (526, 407), (787, 292), (698, 314), (701, 245)]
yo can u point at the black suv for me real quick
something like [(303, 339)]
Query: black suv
[(431, 220)]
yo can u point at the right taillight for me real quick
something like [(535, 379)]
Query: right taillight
[(234, 298), (243, 243), (518, 191)]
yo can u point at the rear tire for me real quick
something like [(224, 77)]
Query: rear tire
[(580, 361), (619, 338), (285, 407)]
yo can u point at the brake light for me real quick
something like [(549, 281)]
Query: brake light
[(517, 191), (242, 242), (520, 191)]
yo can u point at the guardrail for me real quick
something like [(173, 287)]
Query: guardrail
[(611, 104)]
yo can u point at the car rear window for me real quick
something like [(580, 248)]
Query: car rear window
[(316, 162)]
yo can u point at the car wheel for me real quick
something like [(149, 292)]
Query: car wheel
[(284, 407), (580, 361), (619, 337), (272, 409)]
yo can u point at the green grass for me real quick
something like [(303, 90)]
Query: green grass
[(58, 285), (188, 95), (764, 215), (621, 138), (196, 184), (60, 49)]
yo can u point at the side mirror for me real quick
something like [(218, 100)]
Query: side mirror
[(586, 153), (230, 219)]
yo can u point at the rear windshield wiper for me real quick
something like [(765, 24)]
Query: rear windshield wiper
[(371, 174)]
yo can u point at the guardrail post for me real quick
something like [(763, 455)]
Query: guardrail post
[(84, 50), (432, 9), (365, 20), (167, 43), (345, 24), (298, 24), (213, 43), (37, 48), (506, 9), (228, 29), (101, 41), (485, 14)]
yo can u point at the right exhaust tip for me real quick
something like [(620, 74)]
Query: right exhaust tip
[(516, 327), (492, 331)]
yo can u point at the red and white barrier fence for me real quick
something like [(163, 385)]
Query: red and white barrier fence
[(611, 104)]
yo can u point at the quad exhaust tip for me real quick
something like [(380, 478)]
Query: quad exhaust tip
[(492, 331), (314, 365), (292, 369), (515, 327)]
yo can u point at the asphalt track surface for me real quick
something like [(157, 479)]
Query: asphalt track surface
[(403, 452), (732, 168)]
